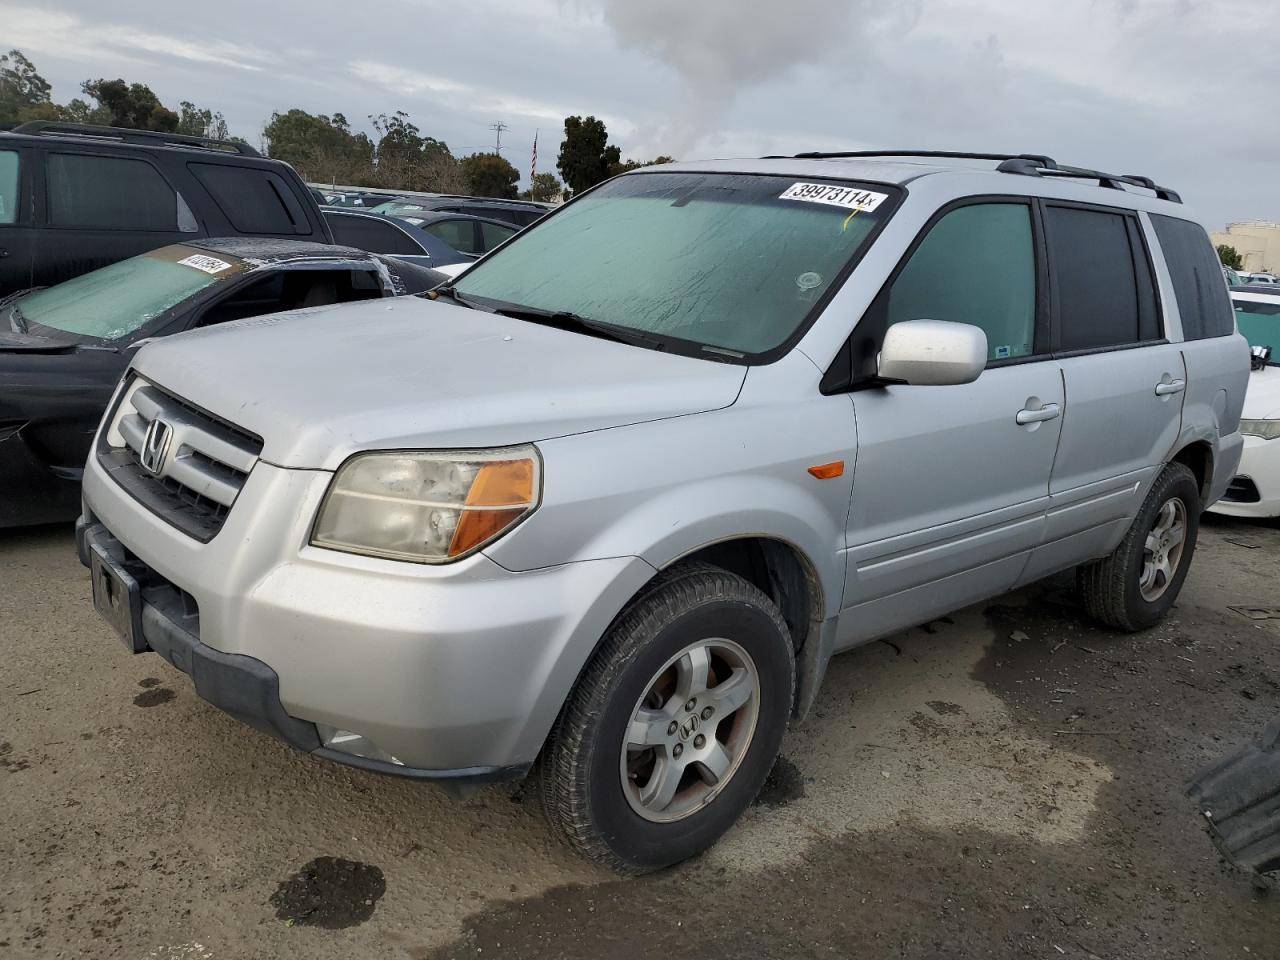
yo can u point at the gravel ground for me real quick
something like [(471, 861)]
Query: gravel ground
[(1006, 782)]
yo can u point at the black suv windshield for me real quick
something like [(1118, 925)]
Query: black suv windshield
[(733, 263)]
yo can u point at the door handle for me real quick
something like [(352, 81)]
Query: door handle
[(1166, 388), (4, 252), (1048, 411)]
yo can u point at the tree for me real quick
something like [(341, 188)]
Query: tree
[(1230, 257), (132, 105), (321, 148), (21, 88), (489, 175), (626, 165), (194, 122), (585, 155), (441, 170), (544, 187)]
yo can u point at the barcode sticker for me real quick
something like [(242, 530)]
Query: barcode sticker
[(205, 264), (850, 198)]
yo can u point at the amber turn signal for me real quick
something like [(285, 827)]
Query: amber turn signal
[(828, 471), (500, 494)]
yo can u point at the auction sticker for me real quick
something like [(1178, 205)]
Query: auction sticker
[(205, 264), (850, 198)]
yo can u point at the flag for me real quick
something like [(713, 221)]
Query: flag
[(533, 166)]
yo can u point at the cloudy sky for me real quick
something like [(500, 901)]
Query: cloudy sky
[(1181, 90)]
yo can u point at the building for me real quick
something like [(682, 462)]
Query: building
[(1257, 242)]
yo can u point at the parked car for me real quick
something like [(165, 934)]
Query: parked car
[(1255, 489), (76, 197), (519, 213), (1262, 278), (63, 349), (471, 236), (608, 503), (358, 201), (394, 237)]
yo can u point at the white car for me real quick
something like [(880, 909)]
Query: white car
[(1255, 490), (1262, 278), (453, 270)]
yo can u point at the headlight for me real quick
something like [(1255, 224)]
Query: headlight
[(1266, 429), (427, 507)]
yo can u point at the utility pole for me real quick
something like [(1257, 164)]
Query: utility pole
[(498, 128)]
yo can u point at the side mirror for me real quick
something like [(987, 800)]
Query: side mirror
[(935, 353)]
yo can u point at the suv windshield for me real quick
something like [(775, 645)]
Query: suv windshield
[(731, 263), (1259, 322), (119, 300)]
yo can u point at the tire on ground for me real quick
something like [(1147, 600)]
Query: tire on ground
[(1110, 586), (580, 777)]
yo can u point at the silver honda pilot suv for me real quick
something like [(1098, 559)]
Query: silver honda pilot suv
[(602, 509)]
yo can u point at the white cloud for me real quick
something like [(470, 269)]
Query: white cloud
[(37, 30)]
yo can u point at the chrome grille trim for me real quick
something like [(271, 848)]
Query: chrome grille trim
[(206, 463)]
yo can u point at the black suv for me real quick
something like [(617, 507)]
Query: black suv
[(75, 197)]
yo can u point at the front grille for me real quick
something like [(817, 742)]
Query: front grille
[(1242, 490), (204, 463)]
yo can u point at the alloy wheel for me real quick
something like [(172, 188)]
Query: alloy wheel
[(1162, 551), (690, 730)]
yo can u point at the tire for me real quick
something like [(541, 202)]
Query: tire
[(594, 783), (1113, 589)]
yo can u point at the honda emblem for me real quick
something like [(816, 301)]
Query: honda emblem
[(155, 446)]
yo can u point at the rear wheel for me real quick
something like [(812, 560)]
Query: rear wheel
[(1135, 587), (675, 724)]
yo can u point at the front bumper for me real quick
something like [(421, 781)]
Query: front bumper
[(458, 672), (1255, 490)]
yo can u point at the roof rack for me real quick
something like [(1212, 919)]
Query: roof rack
[(52, 128), (1021, 164)]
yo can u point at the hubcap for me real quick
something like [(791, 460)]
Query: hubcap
[(690, 730), (1163, 550)]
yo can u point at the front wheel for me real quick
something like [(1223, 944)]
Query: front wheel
[(1137, 584), (676, 723)]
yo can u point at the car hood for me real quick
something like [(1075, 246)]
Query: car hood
[(319, 385), (14, 342), (1262, 400)]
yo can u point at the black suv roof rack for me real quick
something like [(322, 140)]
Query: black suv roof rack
[(53, 128), (1022, 164)]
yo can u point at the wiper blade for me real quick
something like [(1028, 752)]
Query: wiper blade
[(567, 320), (448, 291)]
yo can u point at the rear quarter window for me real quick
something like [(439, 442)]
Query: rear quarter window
[(1198, 285), (255, 201)]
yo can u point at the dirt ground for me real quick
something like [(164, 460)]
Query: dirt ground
[(1003, 783)]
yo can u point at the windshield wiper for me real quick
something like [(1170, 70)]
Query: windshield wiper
[(575, 323), (448, 291), (16, 320)]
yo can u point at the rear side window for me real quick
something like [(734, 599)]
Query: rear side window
[(253, 200), (1103, 290), (458, 234), (114, 192), (376, 236), (976, 265), (8, 186), (1203, 302), (494, 234)]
